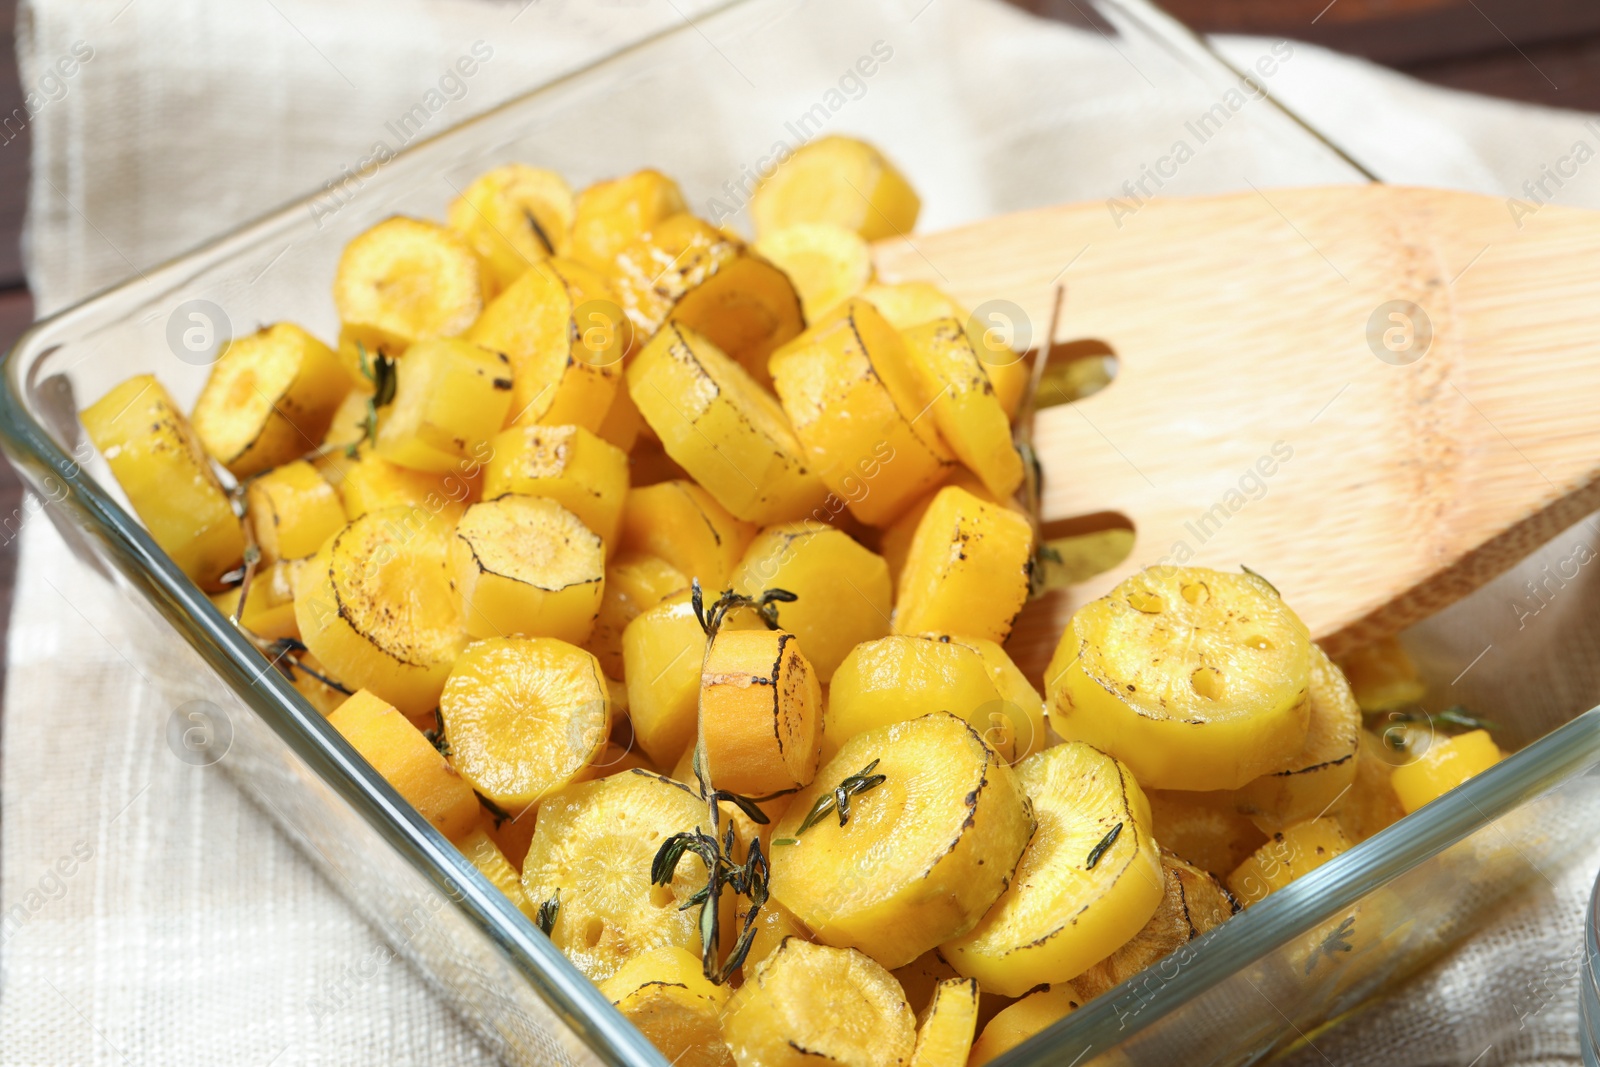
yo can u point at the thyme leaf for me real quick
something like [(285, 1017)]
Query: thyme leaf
[(744, 804), (709, 914), (538, 232), (671, 851), (839, 798), (1257, 576), (501, 815), (1337, 941), (549, 911), (380, 371), (712, 618), (1455, 716), (1100, 850)]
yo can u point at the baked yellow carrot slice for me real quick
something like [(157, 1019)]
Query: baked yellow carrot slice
[(1014, 1024), (526, 565), (270, 398), (433, 498), (853, 399), (524, 717), (161, 466), (966, 408), (560, 326), (908, 304), (680, 522), (946, 1027), (268, 609), (292, 510), (806, 1005), (514, 216), (450, 397), (591, 856), (1447, 763), (662, 650), (568, 464), (663, 992), (1320, 776), (611, 214), (842, 588), (722, 427), (635, 583), (1195, 678), (345, 600), (1371, 805), (840, 180), (1291, 853), (1018, 725), (896, 678), (894, 544), (409, 762), (933, 825), (687, 271), (827, 263), (1204, 829), (774, 924), (1088, 882), (406, 280), (968, 569), (1193, 903), (760, 713), (480, 849)]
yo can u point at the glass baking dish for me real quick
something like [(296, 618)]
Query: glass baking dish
[(1087, 107)]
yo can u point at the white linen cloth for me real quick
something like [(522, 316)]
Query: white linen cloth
[(150, 914)]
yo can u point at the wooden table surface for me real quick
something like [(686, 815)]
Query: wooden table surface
[(1543, 51)]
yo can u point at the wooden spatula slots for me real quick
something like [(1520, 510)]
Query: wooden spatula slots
[(1377, 397)]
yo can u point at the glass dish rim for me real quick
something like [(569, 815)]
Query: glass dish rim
[(1286, 914)]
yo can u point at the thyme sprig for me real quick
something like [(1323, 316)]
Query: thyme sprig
[(1456, 717), (380, 371), (839, 799), (1031, 492), (441, 744), (283, 654), (496, 812), (765, 606), (1453, 719), (239, 498), (717, 851)]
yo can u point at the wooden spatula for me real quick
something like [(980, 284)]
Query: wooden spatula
[(1376, 397)]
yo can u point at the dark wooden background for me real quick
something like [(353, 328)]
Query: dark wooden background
[(1543, 51)]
